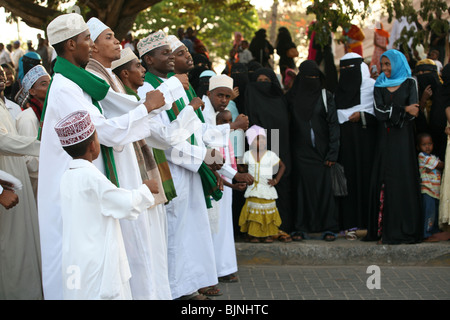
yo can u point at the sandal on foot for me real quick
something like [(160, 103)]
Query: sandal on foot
[(267, 240), (228, 279), (297, 236), (351, 235), (282, 237), (329, 236), (254, 240), (211, 291)]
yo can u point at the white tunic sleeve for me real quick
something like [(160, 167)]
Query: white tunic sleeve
[(11, 144), (121, 203)]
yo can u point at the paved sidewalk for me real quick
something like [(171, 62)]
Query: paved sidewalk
[(288, 282)]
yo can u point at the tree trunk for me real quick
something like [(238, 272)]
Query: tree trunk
[(273, 26)]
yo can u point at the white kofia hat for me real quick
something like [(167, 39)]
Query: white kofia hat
[(126, 55), (32, 76), (74, 128), (65, 27), (96, 27), (174, 42), (152, 41), (220, 81)]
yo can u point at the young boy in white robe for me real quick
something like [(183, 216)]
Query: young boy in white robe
[(94, 261)]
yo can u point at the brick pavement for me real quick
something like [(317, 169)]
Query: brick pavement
[(290, 282)]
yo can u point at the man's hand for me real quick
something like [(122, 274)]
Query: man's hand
[(244, 177), (214, 160), (184, 80), (240, 186), (355, 117), (241, 122), (235, 93), (8, 199), (152, 185), (154, 100), (197, 103)]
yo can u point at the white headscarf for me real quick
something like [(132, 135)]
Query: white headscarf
[(367, 86)]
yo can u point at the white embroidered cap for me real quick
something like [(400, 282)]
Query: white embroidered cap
[(174, 42), (32, 76), (74, 128), (219, 81), (96, 27), (65, 27), (126, 55), (152, 41)]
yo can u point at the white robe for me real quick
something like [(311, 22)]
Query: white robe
[(94, 260), (146, 237), (20, 261), (64, 97), (223, 234), (27, 124), (191, 253)]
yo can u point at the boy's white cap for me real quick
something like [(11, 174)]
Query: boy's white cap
[(220, 81), (65, 27), (96, 27), (74, 128), (126, 55), (152, 41), (174, 42)]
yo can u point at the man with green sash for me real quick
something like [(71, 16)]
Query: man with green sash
[(73, 88), (147, 256), (191, 255), (221, 218)]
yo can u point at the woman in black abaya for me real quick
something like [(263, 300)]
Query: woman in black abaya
[(267, 107), (431, 117), (394, 207), (315, 148), (358, 132)]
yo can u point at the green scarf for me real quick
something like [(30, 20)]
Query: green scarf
[(209, 180), (161, 162), (96, 88)]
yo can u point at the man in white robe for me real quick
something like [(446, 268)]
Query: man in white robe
[(149, 262), (216, 100), (191, 252), (70, 37), (20, 261)]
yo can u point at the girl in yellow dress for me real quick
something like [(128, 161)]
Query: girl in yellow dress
[(259, 217)]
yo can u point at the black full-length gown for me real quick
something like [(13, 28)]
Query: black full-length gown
[(396, 170), (316, 208), (356, 155)]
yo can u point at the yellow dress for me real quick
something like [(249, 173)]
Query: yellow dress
[(259, 215)]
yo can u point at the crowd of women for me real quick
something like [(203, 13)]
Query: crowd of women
[(371, 126)]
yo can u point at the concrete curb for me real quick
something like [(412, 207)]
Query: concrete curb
[(343, 252)]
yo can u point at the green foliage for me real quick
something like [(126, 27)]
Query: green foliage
[(429, 11), (214, 21), (332, 15)]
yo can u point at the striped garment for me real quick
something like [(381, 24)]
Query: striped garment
[(430, 176)]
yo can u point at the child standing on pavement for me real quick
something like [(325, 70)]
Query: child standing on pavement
[(259, 217), (430, 173), (94, 261)]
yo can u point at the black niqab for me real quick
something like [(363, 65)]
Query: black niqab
[(348, 92), (306, 91)]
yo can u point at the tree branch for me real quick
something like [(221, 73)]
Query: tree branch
[(32, 14)]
